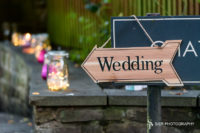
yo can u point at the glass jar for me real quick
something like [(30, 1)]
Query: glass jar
[(45, 67), (57, 77)]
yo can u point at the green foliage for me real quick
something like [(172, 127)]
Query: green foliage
[(87, 40), (92, 7), (106, 1), (91, 34), (80, 27), (78, 56)]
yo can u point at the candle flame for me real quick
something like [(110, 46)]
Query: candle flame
[(28, 36)]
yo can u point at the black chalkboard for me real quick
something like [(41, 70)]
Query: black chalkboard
[(126, 32)]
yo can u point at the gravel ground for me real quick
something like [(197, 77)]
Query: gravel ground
[(10, 123)]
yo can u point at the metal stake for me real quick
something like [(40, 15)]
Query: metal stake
[(153, 109)]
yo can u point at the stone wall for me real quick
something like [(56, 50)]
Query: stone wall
[(14, 81), (86, 108), (110, 119)]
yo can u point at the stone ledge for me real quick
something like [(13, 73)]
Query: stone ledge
[(138, 98), (83, 92), (79, 98)]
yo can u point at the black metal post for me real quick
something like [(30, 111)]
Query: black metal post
[(153, 109), (153, 104)]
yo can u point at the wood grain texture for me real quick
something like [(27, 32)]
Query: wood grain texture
[(165, 53)]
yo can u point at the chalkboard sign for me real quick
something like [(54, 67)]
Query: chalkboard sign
[(126, 32)]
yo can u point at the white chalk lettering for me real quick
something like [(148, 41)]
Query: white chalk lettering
[(190, 48)]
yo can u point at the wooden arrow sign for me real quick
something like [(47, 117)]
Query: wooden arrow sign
[(138, 64)]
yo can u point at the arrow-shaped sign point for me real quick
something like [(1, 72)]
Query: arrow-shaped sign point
[(138, 64), (172, 78)]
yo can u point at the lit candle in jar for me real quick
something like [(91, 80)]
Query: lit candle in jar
[(27, 40), (38, 49), (15, 39), (57, 78)]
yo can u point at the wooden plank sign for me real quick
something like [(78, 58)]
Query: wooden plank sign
[(137, 64)]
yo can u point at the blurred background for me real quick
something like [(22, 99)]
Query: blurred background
[(77, 25)]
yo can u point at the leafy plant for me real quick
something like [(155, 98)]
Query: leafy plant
[(78, 25)]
